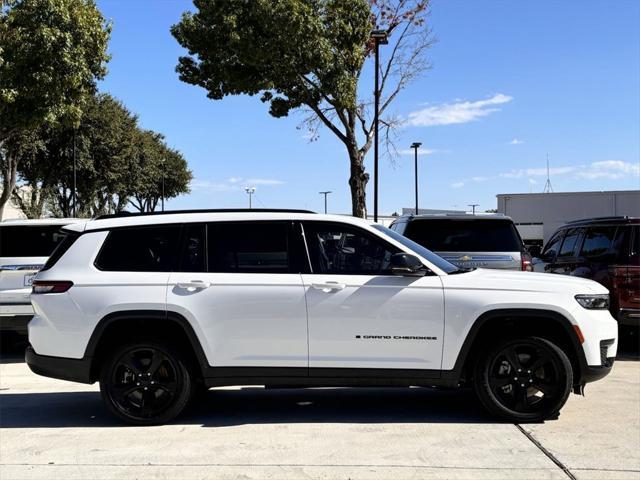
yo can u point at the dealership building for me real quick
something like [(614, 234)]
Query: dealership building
[(538, 215)]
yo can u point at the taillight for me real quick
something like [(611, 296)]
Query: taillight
[(526, 262), (44, 286)]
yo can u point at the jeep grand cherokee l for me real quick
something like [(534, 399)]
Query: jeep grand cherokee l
[(155, 306)]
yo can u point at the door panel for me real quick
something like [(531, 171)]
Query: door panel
[(359, 314), (375, 321), (245, 296), (245, 319)]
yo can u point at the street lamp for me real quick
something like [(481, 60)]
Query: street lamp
[(163, 184), (325, 199), (379, 38), (250, 191), (415, 146), (75, 194), (473, 206)]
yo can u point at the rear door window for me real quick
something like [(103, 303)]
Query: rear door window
[(465, 235), (598, 241), (140, 249), (248, 247), (29, 241)]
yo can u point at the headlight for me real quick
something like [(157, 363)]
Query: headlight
[(594, 302)]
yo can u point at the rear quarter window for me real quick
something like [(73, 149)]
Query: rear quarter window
[(140, 249), (598, 241)]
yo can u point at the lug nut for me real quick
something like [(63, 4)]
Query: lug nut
[(530, 381), (138, 383), (528, 371), (522, 385), (515, 379), (146, 387)]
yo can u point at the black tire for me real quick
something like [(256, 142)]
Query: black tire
[(146, 383), (524, 379)]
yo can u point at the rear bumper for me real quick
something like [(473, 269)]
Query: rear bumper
[(74, 370), (629, 316)]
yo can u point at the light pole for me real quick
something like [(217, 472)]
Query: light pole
[(325, 199), (473, 206), (250, 191), (75, 195), (163, 184), (415, 146), (380, 38)]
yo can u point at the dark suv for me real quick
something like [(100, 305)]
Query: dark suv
[(606, 250)]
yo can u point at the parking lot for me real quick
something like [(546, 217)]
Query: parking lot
[(54, 429)]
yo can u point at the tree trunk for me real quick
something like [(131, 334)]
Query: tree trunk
[(358, 180), (9, 176)]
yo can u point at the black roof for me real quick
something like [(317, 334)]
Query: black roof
[(205, 210), (602, 220)]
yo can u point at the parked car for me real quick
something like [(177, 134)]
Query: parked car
[(605, 249), (154, 305), (25, 246), (487, 241)]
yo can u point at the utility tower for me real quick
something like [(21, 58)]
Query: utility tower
[(547, 186)]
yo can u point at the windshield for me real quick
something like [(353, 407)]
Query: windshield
[(29, 241), (465, 235), (439, 262)]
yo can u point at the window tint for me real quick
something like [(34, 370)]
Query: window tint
[(140, 249), (570, 243), (635, 245), (251, 247), (551, 250), (342, 249), (31, 241), (597, 241), (193, 257), (465, 235)]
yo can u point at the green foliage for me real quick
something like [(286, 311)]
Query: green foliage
[(52, 53), (116, 163), (294, 52)]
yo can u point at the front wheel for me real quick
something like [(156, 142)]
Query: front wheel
[(524, 380), (146, 383)]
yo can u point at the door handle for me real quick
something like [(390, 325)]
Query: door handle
[(193, 285), (328, 286)]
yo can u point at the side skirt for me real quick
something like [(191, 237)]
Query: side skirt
[(327, 377)]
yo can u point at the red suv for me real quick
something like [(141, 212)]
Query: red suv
[(606, 250)]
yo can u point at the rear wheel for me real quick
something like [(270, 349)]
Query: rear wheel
[(524, 379), (146, 383)]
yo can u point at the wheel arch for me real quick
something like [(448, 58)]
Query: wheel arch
[(136, 324), (503, 322)]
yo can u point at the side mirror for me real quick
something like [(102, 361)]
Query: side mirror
[(535, 250), (407, 265)]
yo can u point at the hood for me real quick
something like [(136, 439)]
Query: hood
[(523, 281)]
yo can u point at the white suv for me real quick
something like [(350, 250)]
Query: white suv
[(25, 246), (154, 306)]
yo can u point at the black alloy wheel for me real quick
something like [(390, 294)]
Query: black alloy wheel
[(524, 380), (146, 383)]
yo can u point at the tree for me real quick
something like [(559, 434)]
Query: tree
[(51, 54), (158, 172), (307, 54)]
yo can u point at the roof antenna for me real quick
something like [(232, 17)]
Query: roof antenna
[(547, 186)]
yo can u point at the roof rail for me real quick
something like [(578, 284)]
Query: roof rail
[(600, 219), (203, 210)]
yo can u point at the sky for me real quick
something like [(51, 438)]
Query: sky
[(510, 83)]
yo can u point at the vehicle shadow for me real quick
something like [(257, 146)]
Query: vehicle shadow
[(628, 343), (256, 405), (12, 346)]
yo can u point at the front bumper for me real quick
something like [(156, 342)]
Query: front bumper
[(75, 370)]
